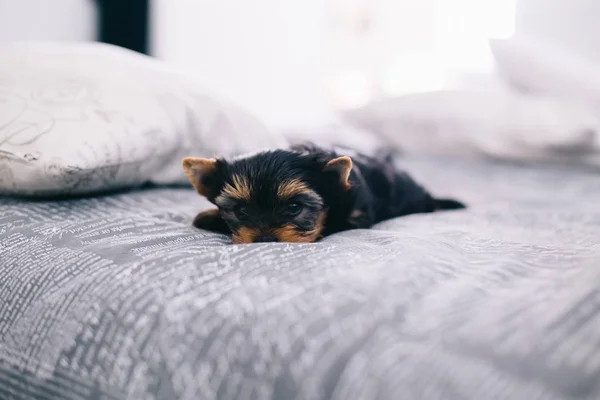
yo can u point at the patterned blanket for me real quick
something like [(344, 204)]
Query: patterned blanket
[(118, 297)]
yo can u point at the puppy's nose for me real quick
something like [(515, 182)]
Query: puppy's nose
[(265, 239)]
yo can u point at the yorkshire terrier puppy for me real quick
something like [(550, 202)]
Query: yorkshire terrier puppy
[(303, 194)]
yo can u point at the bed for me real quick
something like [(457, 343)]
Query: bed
[(118, 297)]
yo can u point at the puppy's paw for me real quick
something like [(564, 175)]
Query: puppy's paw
[(211, 220)]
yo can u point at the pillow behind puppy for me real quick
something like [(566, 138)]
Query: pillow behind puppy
[(84, 118), (504, 125)]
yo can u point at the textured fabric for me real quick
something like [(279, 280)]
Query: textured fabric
[(83, 118), (118, 297)]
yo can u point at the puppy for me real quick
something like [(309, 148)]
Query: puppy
[(303, 194)]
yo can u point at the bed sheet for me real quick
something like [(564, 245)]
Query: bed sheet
[(118, 297)]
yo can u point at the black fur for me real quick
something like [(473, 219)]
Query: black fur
[(378, 191)]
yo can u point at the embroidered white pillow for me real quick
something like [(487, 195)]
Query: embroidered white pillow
[(84, 118)]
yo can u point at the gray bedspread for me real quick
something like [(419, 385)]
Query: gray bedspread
[(118, 297)]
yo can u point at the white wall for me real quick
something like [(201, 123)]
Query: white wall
[(47, 20), (266, 55)]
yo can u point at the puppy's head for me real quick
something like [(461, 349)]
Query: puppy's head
[(275, 196)]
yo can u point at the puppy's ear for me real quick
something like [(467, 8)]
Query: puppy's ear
[(342, 166), (202, 173)]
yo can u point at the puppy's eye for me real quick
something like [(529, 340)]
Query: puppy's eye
[(241, 213), (294, 209)]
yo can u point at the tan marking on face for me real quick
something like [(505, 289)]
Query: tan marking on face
[(291, 188), (244, 235), (240, 189), (288, 232)]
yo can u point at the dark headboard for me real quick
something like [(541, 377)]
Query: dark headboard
[(125, 23)]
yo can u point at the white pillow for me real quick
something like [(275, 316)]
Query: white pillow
[(538, 67), (83, 118), (497, 124)]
